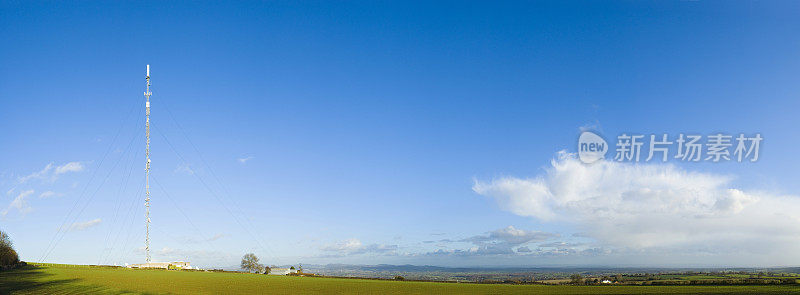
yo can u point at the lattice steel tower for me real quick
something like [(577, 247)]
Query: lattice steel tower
[(147, 94)]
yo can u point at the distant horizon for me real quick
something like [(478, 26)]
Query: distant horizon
[(508, 267)]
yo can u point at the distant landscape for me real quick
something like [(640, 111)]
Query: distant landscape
[(53, 278), (556, 275)]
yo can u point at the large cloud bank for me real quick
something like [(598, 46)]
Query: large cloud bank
[(643, 208)]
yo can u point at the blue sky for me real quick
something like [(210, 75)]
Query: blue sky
[(380, 132)]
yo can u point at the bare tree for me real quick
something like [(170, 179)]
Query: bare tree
[(250, 263)]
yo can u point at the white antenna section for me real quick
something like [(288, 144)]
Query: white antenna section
[(147, 94)]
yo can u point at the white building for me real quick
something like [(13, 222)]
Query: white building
[(281, 271)]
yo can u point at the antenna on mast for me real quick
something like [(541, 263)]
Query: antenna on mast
[(147, 94)]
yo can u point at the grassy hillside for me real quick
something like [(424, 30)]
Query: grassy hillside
[(65, 279)]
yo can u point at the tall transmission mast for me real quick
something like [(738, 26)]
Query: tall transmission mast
[(147, 94)]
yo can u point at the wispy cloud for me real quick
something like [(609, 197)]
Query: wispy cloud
[(69, 167), (561, 244), (245, 159), (19, 203), (48, 194), (51, 172), (78, 226), (215, 237), (184, 168), (37, 175), (202, 239)]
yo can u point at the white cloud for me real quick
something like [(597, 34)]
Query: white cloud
[(354, 247), (497, 242), (167, 251), (51, 172), (561, 245), (84, 225), (19, 203), (245, 159), (511, 236), (69, 167), (37, 175), (658, 207), (183, 168), (48, 194), (202, 239), (592, 126), (216, 237), (346, 245)]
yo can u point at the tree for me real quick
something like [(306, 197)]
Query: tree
[(618, 278), (576, 278), (299, 268), (267, 270), (7, 254), (250, 263)]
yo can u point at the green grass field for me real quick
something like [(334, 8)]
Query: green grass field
[(65, 279)]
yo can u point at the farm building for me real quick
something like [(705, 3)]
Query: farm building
[(181, 264), (282, 271)]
